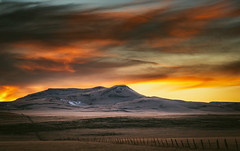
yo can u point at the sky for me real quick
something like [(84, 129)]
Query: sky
[(176, 49)]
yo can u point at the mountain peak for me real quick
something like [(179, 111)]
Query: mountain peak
[(120, 86), (121, 91), (99, 87)]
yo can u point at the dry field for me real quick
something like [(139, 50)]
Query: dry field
[(103, 132)]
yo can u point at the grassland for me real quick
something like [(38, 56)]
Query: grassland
[(170, 132)]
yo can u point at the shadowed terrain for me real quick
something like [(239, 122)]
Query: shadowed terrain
[(127, 132)]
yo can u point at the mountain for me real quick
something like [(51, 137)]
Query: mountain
[(116, 98)]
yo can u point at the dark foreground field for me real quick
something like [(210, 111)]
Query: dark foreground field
[(129, 132)]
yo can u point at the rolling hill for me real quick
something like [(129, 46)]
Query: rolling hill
[(116, 98)]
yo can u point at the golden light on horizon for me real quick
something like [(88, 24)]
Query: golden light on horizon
[(7, 93), (208, 94), (191, 89)]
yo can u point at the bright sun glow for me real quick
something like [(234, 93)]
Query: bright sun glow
[(173, 90)]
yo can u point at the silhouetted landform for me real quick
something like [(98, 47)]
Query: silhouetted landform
[(116, 98)]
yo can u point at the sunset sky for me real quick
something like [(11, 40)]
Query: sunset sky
[(177, 49)]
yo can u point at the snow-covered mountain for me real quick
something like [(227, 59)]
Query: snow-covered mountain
[(116, 98)]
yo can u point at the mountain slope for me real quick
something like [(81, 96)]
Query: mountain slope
[(116, 98), (78, 98)]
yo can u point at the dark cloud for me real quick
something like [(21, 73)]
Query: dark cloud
[(204, 72), (25, 23), (61, 25), (54, 25), (232, 68), (20, 71)]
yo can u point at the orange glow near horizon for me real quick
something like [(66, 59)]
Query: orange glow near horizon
[(190, 90), (7, 93)]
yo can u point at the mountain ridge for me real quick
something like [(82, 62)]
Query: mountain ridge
[(115, 98)]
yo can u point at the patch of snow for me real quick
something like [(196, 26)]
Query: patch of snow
[(74, 102)]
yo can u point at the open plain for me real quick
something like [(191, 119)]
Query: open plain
[(75, 131)]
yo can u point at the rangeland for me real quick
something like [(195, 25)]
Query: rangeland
[(64, 130)]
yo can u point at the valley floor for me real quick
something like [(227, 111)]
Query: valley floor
[(118, 131), (81, 146)]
